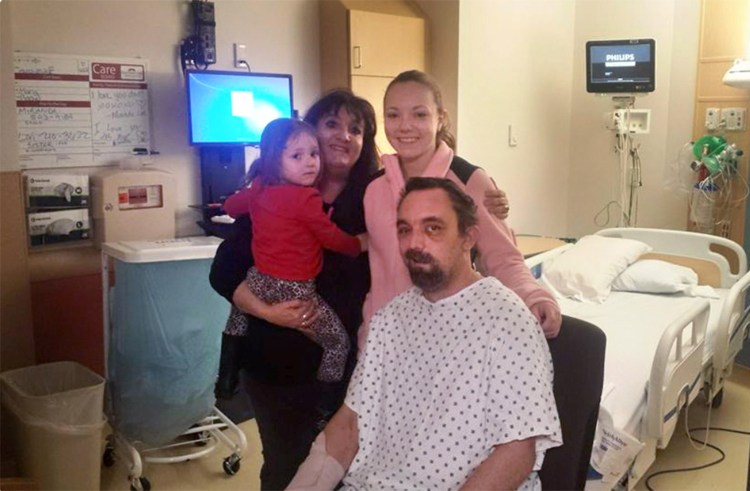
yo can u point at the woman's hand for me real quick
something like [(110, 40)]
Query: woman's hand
[(496, 202), (548, 315), (295, 314)]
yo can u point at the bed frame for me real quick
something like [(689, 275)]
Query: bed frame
[(678, 371), (719, 262)]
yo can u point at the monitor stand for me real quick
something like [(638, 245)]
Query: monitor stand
[(222, 173)]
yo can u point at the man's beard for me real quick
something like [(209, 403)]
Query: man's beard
[(427, 279)]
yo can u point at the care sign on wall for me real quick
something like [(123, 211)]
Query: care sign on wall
[(79, 110)]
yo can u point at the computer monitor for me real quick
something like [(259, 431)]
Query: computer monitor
[(232, 108), (621, 66)]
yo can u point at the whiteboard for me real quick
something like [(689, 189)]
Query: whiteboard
[(80, 110)]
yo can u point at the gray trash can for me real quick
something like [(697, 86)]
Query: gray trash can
[(56, 420)]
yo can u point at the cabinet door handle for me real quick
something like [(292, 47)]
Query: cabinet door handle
[(357, 56)]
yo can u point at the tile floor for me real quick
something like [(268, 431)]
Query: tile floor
[(207, 474)]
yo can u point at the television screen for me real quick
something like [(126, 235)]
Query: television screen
[(623, 66), (232, 108)]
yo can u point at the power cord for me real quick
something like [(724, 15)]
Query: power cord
[(705, 444)]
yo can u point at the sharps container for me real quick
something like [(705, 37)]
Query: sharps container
[(56, 418)]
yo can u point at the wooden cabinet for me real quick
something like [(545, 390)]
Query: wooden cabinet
[(384, 45), (363, 49)]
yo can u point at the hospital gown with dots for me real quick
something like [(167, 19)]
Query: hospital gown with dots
[(440, 384)]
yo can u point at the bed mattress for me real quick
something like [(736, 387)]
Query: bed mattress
[(633, 324)]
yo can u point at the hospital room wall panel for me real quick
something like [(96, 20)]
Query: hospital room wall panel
[(724, 28), (17, 346), (724, 37), (710, 86), (68, 320)]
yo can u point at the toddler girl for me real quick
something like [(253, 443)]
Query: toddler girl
[(290, 231)]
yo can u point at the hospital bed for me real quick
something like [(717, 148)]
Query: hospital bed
[(662, 349)]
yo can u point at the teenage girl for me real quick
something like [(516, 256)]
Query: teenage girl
[(290, 231)]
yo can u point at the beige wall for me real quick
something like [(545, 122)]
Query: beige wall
[(522, 63), (17, 343), (8, 132), (674, 24), (442, 27), (515, 67), (281, 36)]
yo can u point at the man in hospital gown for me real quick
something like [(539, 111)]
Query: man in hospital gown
[(454, 387)]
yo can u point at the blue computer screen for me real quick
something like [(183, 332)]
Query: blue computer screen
[(234, 107)]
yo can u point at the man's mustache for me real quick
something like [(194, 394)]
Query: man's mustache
[(418, 257)]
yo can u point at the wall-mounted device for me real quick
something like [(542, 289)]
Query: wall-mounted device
[(623, 121), (133, 204), (199, 49), (738, 75), (621, 66), (232, 108)]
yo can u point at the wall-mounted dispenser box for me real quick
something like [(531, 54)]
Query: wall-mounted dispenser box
[(55, 227), (133, 204), (56, 190)]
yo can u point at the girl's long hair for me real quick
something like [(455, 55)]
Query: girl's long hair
[(428, 81), (273, 141)]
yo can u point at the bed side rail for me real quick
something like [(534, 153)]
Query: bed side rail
[(677, 371), (734, 322), (690, 244)]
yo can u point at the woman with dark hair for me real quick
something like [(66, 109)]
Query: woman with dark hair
[(290, 405)]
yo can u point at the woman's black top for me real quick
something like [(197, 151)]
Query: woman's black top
[(284, 356)]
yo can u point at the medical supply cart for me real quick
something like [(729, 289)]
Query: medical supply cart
[(162, 335)]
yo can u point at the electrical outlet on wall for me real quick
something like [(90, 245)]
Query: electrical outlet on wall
[(734, 118), (240, 55)]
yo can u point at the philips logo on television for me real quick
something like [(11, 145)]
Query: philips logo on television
[(620, 59)]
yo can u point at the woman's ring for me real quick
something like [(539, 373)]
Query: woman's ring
[(304, 317)]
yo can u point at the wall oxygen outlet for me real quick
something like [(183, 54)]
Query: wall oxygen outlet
[(713, 118)]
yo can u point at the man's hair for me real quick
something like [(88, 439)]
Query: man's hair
[(463, 205)]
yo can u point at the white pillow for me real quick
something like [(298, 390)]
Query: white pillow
[(586, 270), (654, 276)]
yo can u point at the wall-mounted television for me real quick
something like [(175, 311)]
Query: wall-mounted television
[(232, 108), (621, 66)]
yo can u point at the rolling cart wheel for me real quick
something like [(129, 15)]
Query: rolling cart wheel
[(108, 459), (140, 484), (718, 398), (232, 464)]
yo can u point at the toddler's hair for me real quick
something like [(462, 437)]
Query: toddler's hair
[(273, 141)]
